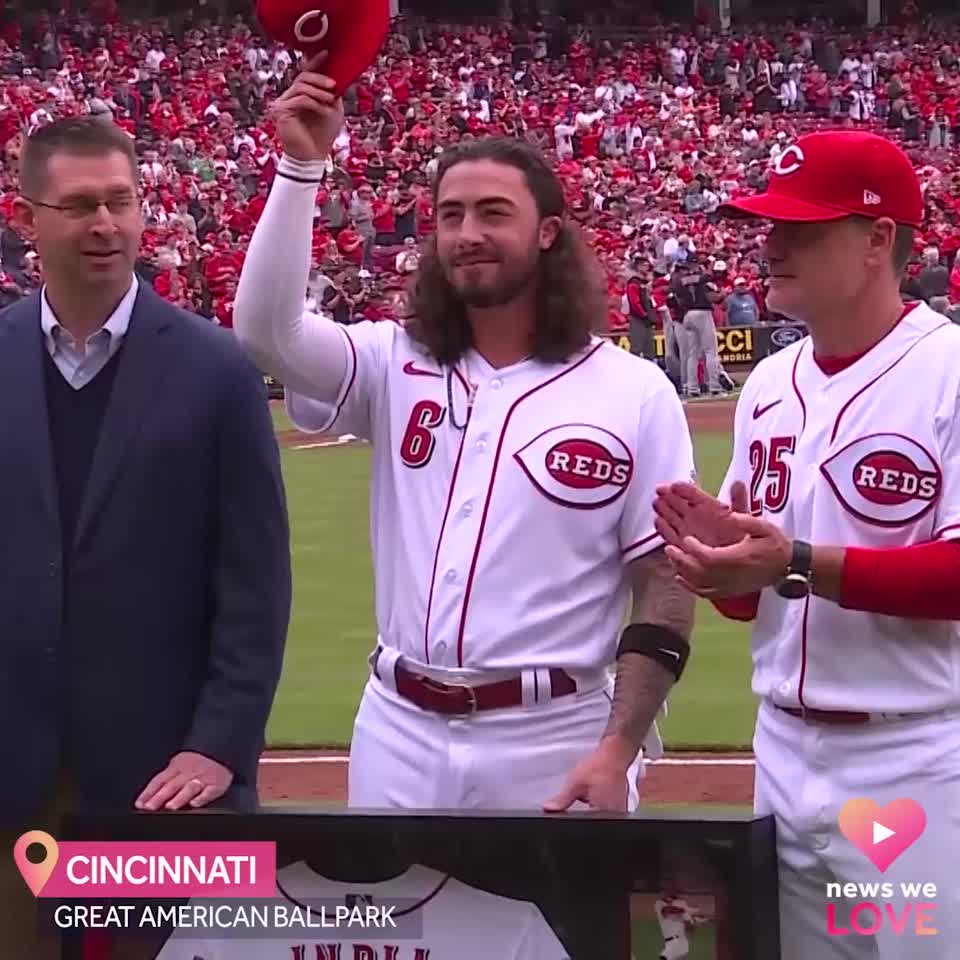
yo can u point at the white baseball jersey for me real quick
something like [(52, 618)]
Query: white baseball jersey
[(868, 457), (500, 539), (442, 918)]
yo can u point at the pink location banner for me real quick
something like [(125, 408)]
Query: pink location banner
[(107, 869)]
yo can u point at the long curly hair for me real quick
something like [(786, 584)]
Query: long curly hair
[(570, 300)]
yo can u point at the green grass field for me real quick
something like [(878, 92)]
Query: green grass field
[(333, 628)]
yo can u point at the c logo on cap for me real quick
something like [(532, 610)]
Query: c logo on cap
[(789, 161), (304, 20)]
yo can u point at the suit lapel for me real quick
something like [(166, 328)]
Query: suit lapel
[(140, 371), (24, 395)]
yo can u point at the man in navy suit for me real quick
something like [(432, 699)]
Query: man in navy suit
[(141, 503)]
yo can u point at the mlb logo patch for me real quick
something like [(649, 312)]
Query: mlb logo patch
[(870, 198)]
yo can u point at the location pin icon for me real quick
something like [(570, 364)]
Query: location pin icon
[(36, 875)]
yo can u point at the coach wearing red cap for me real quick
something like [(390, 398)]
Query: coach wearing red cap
[(836, 535)]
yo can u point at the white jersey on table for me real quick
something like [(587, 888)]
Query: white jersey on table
[(503, 546), (458, 921), (869, 457)]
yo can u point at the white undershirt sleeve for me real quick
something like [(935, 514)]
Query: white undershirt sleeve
[(304, 351)]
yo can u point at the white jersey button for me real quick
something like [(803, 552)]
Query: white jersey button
[(482, 443), (450, 576), (496, 384), (467, 508), (785, 688), (441, 648)]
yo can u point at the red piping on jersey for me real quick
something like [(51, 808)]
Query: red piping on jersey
[(803, 649), (639, 543), (353, 377), (796, 389), (882, 373), (443, 524), (493, 477)]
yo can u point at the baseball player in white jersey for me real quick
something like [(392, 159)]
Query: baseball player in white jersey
[(420, 915), (676, 919), (835, 533), (514, 465)]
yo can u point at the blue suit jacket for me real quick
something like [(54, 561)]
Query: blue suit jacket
[(179, 597)]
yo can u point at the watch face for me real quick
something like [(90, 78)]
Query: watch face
[(793, 587)]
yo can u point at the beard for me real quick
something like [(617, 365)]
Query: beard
[(491, 285)]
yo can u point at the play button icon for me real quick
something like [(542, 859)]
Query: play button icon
[(881, 833)]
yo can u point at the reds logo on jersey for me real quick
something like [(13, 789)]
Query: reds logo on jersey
[(885, 479), (577, 465)]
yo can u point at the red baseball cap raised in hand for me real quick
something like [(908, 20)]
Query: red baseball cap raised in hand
[(837, 174), (351, 31)]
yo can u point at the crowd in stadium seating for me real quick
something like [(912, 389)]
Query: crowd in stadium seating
[(650, 135)]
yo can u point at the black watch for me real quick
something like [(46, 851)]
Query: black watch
[(797, 583)]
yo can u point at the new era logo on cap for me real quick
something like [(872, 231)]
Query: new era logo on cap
[(837, 174)]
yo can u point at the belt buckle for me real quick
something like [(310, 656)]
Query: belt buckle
[(448, 688), (471, 699)]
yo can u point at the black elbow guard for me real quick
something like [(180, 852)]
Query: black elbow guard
[(662, 644)]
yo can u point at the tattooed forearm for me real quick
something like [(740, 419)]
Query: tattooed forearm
[(641, 687), (642, 684), (658, 597)]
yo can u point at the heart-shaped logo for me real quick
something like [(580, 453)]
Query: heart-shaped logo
[(881, 834)]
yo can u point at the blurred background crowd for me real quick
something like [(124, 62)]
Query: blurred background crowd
[(650, 131)]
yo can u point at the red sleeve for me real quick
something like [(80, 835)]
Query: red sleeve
[(739, 608), (920, 582)]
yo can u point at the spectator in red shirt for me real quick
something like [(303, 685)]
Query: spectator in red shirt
[(350, 244), (384, 219)]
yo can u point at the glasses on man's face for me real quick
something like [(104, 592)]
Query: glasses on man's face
[(83, 208)]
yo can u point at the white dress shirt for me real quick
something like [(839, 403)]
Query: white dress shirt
[(80, 363)]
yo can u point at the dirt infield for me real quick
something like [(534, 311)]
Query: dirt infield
[(318, 777), (710, 416)]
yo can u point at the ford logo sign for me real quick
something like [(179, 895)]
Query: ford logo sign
[(784, 336)]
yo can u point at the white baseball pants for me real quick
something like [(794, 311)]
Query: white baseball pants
[(805, 774), (516, 758)]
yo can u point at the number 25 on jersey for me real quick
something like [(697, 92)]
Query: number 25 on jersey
[(770, 474)]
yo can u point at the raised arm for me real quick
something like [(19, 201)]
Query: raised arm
[(304, 351)]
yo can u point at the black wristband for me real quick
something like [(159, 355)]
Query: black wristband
[(662, 644), (290, 176)]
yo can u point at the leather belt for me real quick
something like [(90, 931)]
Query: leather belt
[(457, 699), (835, 717)]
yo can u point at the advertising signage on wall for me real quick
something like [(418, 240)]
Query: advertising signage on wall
[(738, 345)]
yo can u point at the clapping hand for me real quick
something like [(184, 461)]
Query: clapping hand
[(717, 549)]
